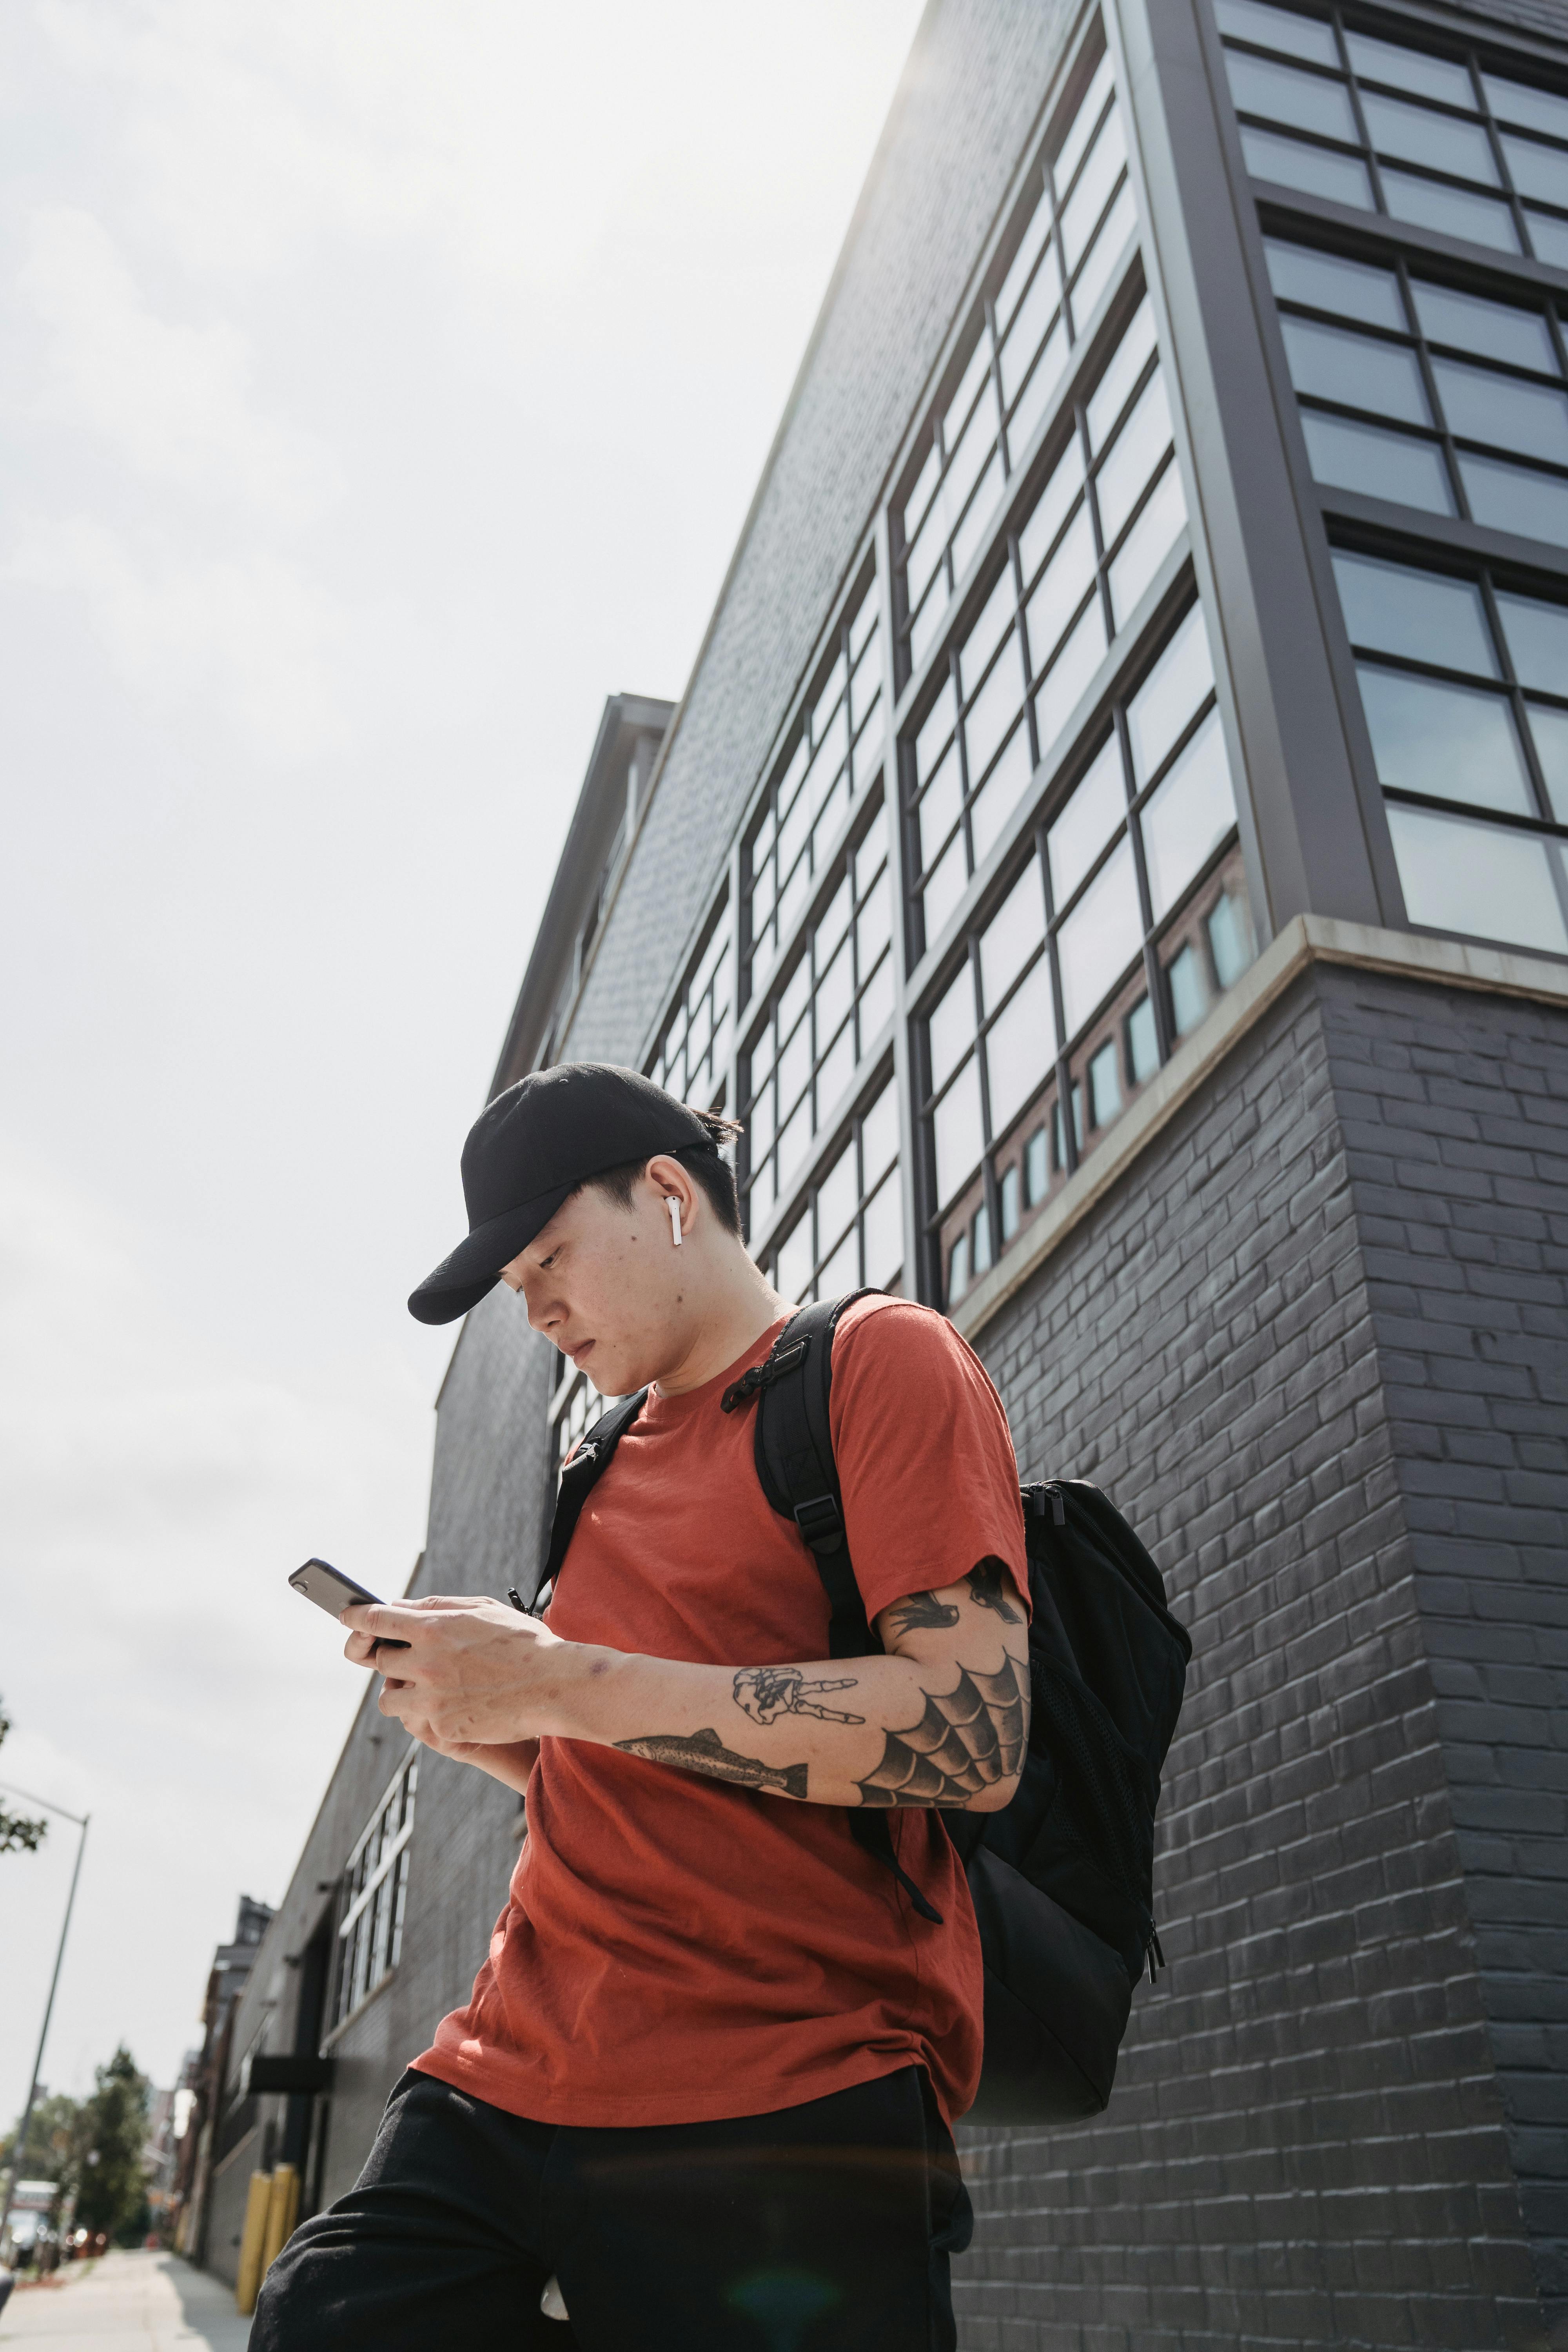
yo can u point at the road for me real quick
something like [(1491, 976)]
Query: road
[(128, 2303)]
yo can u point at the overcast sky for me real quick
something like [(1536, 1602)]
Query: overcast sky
[(386, 383)]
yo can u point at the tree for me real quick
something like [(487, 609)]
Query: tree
[(58, 2132), (113, 2194), (17, 1834)]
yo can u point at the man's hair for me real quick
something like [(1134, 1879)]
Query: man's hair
[(715, 1175)]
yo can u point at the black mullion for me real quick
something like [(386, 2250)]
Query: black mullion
[(1154, 980), (1500, 155), (1092, 501), (961, 753), (1558, 339), (1015, 562), (1516, 698), (1429, 383), (1533, 827), (988, 313), (1303, 138), (1063, 1078), (1353, 86)]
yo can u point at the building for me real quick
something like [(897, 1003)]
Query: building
[(1111, 853), (215, 2130)]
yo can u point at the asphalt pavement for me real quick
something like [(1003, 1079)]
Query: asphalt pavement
[(128, 2303)]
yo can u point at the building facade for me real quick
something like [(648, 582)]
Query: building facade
[(1110, 854)]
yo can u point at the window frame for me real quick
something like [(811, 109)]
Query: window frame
[(381, 1945), (1064, 1073), (1475, 57)]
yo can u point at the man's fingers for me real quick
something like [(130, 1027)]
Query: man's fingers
[(383, 1620)]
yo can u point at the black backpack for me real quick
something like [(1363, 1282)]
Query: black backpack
[(1062, 1879)]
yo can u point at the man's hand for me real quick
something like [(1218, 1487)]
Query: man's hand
[(476, 1674)]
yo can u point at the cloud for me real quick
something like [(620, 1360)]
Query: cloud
[(250, 629), (174, 400)]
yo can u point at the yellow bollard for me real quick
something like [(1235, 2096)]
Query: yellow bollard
[(282, 2212), (257, 2207)]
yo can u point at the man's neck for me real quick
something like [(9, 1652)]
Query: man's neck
[(743, 1307)]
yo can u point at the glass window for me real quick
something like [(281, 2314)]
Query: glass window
[(1074, 227), (835, 753), (374, 1895), (1424, 615), (1278, 28), (1481, 880), (1143, 1039), (1316, 171), (1519, 483), (1458, 716), (825, 1017), (849, 1234), (1307, 102), (1101, 936), (1188, 815), (1346, 455), (1087, 820), (1455, 743), (1017, 674), (692, 1057), (1355, 371), (1149, 822), (1329, 282), (1426, 118)]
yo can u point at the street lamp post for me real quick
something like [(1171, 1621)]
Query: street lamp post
[(81, 1821)]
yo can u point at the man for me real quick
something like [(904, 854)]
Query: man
[(703, 2088)]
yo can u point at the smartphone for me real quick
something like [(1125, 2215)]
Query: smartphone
[(330, 1590)]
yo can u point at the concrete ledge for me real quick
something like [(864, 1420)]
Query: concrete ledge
[(1305, 939)]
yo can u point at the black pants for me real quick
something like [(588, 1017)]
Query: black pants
[(822, 2227)]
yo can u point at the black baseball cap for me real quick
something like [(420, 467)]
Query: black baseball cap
[(529, 1151)]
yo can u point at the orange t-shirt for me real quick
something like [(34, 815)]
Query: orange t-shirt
[(674, 1949)]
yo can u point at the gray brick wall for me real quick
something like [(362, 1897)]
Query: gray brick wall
[(954, 144), (1455, 1120), (1314, 2135)]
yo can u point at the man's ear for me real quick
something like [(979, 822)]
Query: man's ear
[(671, 1181)]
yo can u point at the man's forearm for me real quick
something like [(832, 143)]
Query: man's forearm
[(876, 1730)]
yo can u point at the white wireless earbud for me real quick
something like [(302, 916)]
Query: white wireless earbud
[(674, 1207)]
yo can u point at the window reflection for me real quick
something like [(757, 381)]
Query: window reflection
[(1490, 439), (692, 1060), (1077, 225), (825, 1017), (837, 752), (1051, 989), (849, 1234), (1435, 124), (1468, 722), (1069, 573)]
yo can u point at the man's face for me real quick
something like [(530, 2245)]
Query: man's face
[(604, 1284)]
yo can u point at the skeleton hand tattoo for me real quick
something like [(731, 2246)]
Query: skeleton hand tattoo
[(765, 1693)]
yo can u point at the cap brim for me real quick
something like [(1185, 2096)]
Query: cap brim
[(460, 1281)]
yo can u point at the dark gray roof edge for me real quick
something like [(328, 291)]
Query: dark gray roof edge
[(792, 402), (623, 715)]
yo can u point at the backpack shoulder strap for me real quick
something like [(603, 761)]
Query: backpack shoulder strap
[(581, 1473), (793, 1445)]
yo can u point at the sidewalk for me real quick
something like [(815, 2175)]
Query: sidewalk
[(128, 2303)]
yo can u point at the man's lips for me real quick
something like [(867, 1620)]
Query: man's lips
[(583, 1347)]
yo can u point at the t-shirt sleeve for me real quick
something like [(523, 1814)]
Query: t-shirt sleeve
[(925, 1458)]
